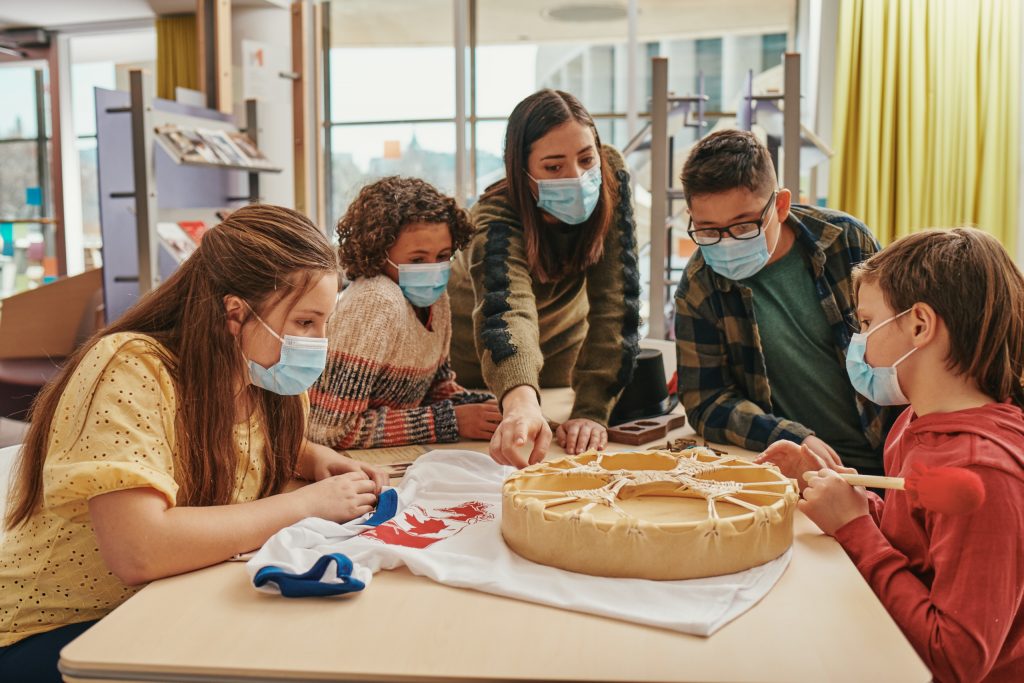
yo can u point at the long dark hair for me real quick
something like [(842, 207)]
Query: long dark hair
[(263, 254), (531, 120)]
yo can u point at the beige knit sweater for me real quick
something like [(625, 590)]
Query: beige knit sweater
[(387, 381)]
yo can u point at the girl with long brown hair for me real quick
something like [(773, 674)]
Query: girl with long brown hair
[(166, 442), (547, 293)]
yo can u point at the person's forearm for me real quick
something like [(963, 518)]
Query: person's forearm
[(522, 397), (153, 543), (386, 426), (306, 463), (310, 453)]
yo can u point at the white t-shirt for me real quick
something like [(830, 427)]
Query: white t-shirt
[(444, 522)]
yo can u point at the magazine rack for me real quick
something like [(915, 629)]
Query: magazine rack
[(142, 182)]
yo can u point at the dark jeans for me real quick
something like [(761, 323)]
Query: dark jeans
[(34, 659)]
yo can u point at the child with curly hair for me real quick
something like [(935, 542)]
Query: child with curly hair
[(388, 380)]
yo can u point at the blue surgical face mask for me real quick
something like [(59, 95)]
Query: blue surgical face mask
[(302, 362), (423, 283), (739, 259), (879, 385), (570, 200)]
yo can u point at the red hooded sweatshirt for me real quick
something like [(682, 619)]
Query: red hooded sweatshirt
[(953, 584)]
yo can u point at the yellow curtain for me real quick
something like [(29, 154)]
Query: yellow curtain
[(927, 123), (177, 50)]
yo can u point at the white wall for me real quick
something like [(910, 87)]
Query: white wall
[(826, 33), (272, 27)]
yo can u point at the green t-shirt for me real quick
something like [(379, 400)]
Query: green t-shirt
[(808, 383)]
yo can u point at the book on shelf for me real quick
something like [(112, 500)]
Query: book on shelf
[(184, 145), (208, 146), (178, 243), (252, 154), (222, 146), (194, 229)]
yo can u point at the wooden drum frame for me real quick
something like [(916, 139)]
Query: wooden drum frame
[(649, 514)]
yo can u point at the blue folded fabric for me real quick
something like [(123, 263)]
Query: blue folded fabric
[(387, 506), (310, 583)]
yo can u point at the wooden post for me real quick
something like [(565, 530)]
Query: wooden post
[(145, 183), (252, 129), (322, 131), (56, 165), (791, 125), (659, 196), (213, 24), (300, 65)]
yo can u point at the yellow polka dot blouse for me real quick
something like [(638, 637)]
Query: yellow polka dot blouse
[(114, 430)]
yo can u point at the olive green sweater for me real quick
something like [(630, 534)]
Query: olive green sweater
[(508, 329)]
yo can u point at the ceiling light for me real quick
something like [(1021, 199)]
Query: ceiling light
[(587, 12)]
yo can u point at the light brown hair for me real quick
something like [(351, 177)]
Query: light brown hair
[(725, 160), (970, 281), (263, 254), (375, 219), (530, 121)]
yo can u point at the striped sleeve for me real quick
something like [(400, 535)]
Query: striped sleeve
[(445, 388)]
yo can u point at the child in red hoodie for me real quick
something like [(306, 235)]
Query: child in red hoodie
[(945, 307)]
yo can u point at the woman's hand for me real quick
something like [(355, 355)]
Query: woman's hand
[(523, 437), (793, 460), (580, 434), (477, 421)]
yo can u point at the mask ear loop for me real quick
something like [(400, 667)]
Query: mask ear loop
[(246, 360), (777, 237), (898, 315), (262, 322), (904, 357), (907, 354)]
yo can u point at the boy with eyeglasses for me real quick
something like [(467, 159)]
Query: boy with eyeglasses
[(765, 311)]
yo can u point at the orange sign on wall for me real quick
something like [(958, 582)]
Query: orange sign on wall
[(392, 149)]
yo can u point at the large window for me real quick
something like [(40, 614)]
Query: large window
[(26, 245), (100, 61), (393, 87), (391, 96)]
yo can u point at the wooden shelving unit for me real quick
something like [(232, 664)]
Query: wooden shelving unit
[(163, 188)]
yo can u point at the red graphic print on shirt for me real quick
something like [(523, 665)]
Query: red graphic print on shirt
[(419, 528)]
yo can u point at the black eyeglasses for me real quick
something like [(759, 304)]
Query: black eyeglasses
[(747, 230)]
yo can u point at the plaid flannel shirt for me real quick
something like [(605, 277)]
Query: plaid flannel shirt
[(723, 383)]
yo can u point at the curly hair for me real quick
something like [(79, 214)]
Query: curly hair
[(374, 220)]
